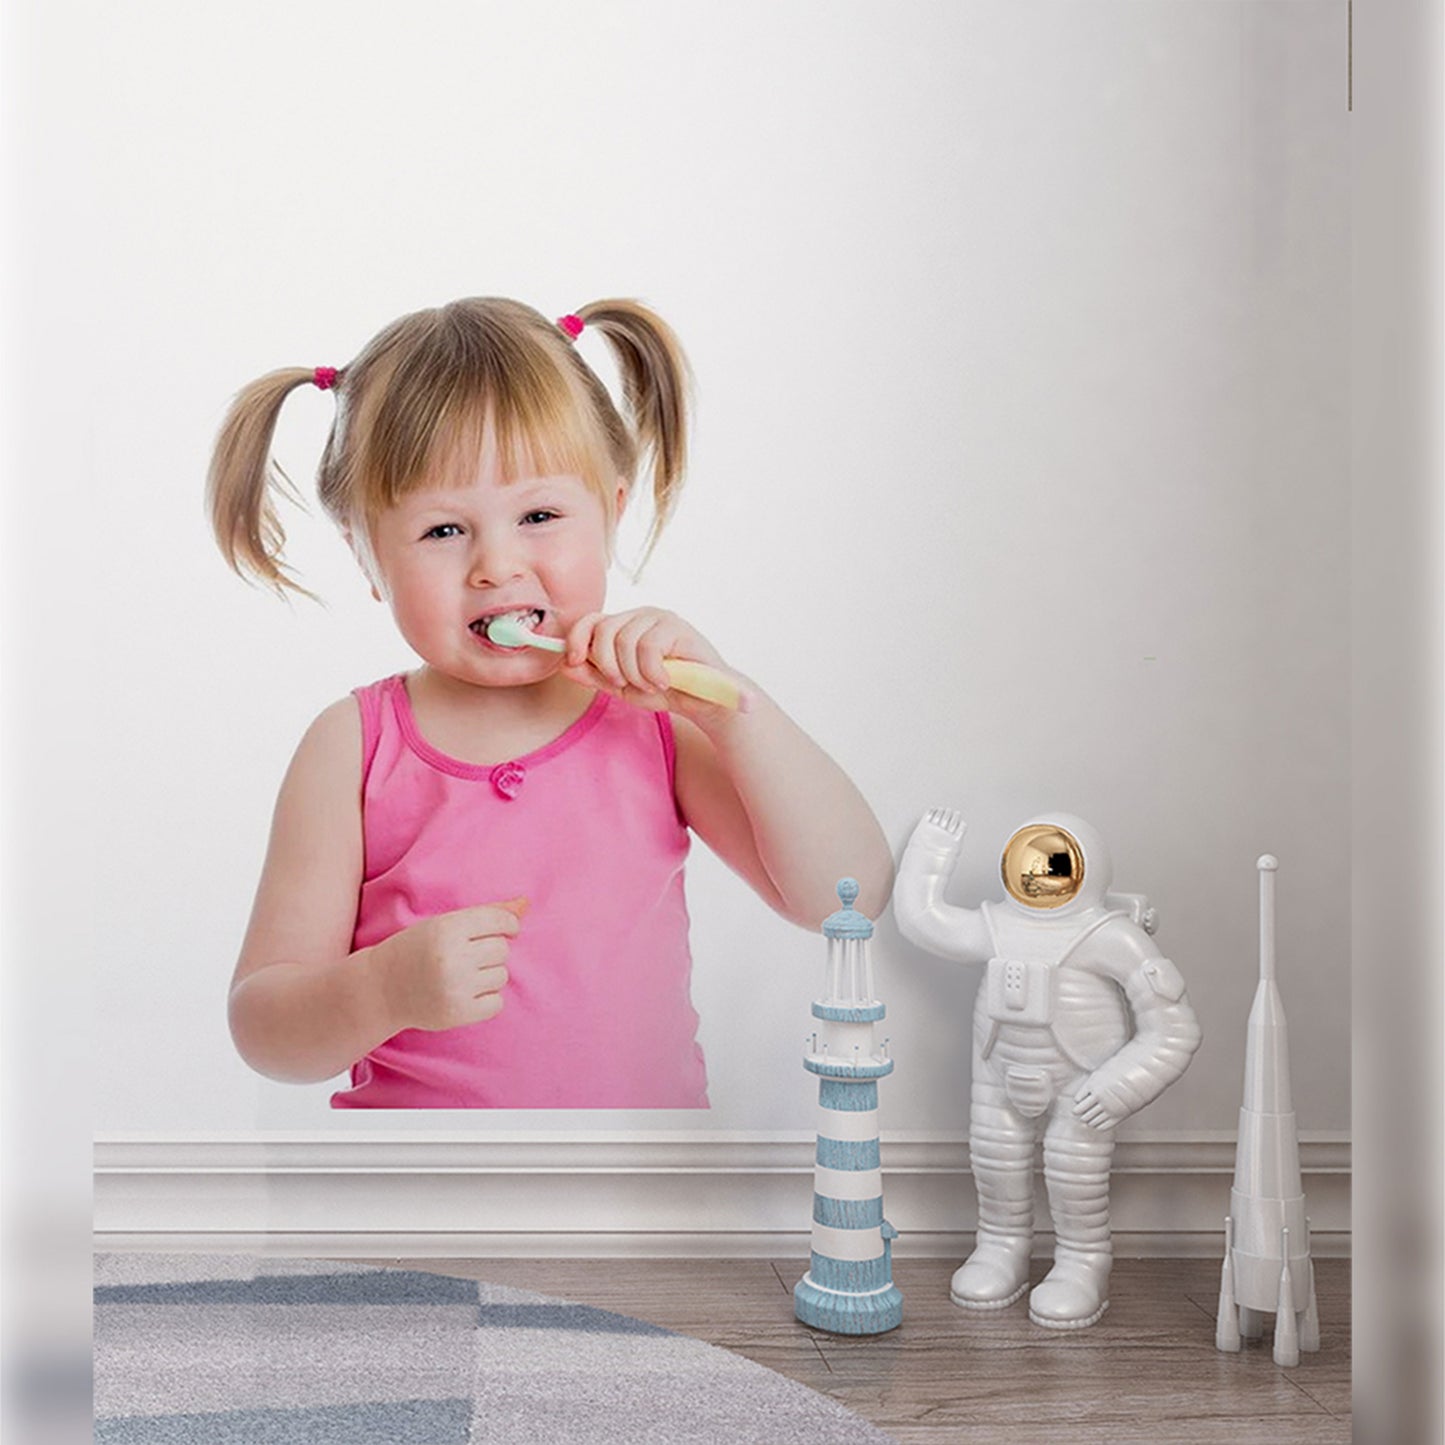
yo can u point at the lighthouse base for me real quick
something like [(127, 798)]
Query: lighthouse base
[(872, 1313)]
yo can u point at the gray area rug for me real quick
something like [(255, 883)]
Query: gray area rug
[(231, 1350)]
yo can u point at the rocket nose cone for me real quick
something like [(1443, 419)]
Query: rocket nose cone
[(1268, 863)]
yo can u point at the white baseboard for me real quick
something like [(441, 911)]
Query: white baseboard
[(654, 1194)]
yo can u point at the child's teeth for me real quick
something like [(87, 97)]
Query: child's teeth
[(525, 618)]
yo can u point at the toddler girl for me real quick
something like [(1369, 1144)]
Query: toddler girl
[(473, 892)]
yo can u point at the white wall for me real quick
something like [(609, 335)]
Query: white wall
[(1020, 473)]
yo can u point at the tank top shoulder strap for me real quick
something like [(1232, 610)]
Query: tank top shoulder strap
[(374, 701), (668, 738)]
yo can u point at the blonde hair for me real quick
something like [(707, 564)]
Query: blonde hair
[(414, 406)]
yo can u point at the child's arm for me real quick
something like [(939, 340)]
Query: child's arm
[(755, 787), (779, 811), (303, 1007)]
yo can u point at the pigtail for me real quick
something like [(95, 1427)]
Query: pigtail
[(656, 384), (244, 480)]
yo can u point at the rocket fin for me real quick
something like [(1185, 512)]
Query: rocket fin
[(1226, 1321), (1286, 1326), (1309, 1334)]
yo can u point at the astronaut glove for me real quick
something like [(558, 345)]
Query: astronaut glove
[(1100, 1103), (936, 840)]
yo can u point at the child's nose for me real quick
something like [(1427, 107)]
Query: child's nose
[(495, 558)]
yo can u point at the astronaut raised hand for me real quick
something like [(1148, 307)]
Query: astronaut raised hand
[(1079, 1022), (923, 916)]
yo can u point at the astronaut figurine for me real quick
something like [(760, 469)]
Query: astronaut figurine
[(1079, 1022)]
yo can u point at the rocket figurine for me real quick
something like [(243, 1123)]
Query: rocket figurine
[(1267, 1265), (849, 1287)]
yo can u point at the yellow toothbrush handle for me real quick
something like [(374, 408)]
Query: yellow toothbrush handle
[(697, 679)]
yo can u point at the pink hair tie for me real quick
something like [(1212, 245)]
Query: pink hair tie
[(572, 325), (324, 377)]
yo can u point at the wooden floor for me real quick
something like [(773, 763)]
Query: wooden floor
[(1148, 1371)]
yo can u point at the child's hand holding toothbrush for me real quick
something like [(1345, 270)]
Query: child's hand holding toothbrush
[(652, 659), (647, 657)]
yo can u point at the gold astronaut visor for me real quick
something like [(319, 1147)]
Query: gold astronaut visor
[(1043, 866)]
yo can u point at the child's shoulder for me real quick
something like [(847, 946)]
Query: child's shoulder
[(343, 723), (333, 737), (323, 768)]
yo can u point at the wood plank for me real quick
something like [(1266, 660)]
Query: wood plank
[(1147, 1371)]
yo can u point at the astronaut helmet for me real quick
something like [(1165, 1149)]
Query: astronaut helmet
[(1056, 863)]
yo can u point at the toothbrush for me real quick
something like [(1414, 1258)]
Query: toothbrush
[(696, 679)]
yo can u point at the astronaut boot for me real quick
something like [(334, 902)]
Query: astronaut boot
[(994, 1275), (1075, 1292)]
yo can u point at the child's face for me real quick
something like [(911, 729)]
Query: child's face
[(449, 558)]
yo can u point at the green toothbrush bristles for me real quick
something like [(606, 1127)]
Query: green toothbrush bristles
[(509, 630)]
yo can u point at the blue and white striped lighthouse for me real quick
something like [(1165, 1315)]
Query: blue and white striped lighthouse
[(849, 1287)]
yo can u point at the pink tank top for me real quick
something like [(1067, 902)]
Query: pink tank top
[(598, 1013)]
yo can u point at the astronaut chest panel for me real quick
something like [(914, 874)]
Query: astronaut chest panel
[(1020, 991), (1040, 997), (1035, 993)]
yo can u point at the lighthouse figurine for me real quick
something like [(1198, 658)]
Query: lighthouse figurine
[(1266, 1236), (849, 1287)]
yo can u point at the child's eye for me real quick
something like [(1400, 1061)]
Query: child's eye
[(542, 514), (443, 529)]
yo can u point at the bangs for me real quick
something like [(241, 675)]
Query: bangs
[(447, 404)]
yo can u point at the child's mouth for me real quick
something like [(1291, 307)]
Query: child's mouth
[(530, 618)]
